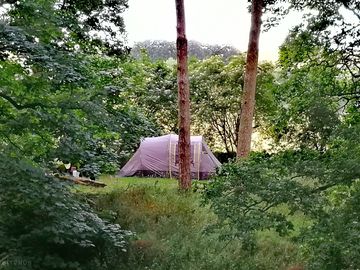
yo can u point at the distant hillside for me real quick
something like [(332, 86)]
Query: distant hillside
[(161, 49)]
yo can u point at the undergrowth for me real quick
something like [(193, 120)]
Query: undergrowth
[(170, 232)]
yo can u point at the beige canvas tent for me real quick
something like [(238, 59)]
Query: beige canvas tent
[(159, 156)]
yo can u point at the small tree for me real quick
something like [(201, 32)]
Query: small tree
[(183, 98)]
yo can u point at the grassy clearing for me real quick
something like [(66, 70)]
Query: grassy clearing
[(116, 183), (170, 229)]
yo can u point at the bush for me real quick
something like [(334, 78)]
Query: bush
[(170, 226), (43, 225), (266, 191), (333, 242), (248, 196)]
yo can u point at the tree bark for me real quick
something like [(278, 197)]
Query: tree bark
[(183, 99), (248, 98)]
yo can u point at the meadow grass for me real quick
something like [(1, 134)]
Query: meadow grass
[(115, 183), (170, 229)]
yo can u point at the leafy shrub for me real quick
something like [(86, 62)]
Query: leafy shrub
[(265, 191), (248, 196), (333, 242), (43, 225), (170, 229)]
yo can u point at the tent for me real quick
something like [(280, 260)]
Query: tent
[(159, 156)]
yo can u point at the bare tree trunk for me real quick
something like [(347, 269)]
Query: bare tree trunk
[(248, 98), (183, 98)]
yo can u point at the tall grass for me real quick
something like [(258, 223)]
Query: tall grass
[(170, 229)]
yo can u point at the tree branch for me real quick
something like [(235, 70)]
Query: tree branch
[(12, 143), (352, 10), (33, 105), (12, 101), (323, 188)]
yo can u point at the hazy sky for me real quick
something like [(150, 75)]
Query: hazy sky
[(207, 21)]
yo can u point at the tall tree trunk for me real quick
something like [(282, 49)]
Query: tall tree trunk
[(183, 98), (248, 98)]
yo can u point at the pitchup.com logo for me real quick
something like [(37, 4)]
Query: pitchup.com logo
[(14, 263)]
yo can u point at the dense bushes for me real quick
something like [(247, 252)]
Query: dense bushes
[(171, 233), (266, 191), (333, 242), (43, 226)]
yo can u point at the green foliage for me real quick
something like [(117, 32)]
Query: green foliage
[(170, 230), (73, 24), (46, 227), (317, 100), (64, 97), (216, 89), (311, 99), (333, 243), (319, 65), (159, 97), (56, 101), (306, 116), (264, 192), (245, 196)]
